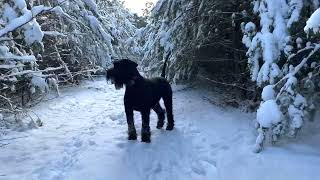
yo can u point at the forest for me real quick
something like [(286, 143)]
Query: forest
[(245, 77)]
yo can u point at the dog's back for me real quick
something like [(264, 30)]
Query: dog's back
[(160, 85), (148, 92)]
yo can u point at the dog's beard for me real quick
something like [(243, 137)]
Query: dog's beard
[(110, 81), (118, 86)]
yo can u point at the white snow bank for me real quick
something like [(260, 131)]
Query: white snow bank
[(269, 114)]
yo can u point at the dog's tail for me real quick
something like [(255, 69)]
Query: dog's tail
[(163, 73)]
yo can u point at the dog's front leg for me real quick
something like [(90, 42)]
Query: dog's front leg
[(145, 130), (132, 134)]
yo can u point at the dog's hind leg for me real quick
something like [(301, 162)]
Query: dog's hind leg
[(132, 134), (161, 115), (168, 104), (145, 130)]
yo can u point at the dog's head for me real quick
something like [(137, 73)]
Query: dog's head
[(122, 72)]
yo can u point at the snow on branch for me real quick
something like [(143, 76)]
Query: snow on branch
[(297, 69), (31, 72), (28, 16), (313, 23), (284, 64), (54, 33), (6, 55)]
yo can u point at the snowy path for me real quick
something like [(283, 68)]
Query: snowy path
[(84, 137)]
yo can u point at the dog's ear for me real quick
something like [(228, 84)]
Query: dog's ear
[(131, 63), (115, 63), (125, 63)]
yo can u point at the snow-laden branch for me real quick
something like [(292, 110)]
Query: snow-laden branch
[(22, 20), (300, 65), (54, 33), (26, 58), (227, 84), (27, 17), (10, 66), (31, 72), (313, 23), (9, 102), (297, 69)]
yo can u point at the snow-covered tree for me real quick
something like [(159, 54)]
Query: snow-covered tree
[(283, 61), (47, 42), (197, 33)]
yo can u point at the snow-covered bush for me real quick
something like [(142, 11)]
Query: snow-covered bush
[(285, 63), (47, 42)]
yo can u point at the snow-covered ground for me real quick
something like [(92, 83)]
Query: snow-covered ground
[(84, 137)]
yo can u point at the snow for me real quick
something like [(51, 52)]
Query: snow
[(10, 66), (313, 22), (6, 55), (4, 50), (53, 33), (268, 93), (299, 42), (32, 32), (8, 13), (21, 4), (250, 27), (84, 137), (39, 82), (97, 28), (295, 9), (92, 5), (59, 11), (300, 101), (276, 18), (292, 81), (269, 114), (296, 116), (53, 83)]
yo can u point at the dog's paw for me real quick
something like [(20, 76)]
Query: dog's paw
[(145, 138), (170, 127), (132, 137), (160, 124)]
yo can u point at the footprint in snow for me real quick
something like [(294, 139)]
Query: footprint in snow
[(92, 143), (120, 145), (78, 144)]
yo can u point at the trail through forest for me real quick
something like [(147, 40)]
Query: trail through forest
[(84, 137)]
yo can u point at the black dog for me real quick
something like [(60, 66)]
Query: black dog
[(142, 95)]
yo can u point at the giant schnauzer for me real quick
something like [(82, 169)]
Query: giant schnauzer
[(142, 95)]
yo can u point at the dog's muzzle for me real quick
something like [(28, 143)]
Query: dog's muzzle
[(110, 75)]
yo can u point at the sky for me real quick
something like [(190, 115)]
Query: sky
[(136, 6)]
